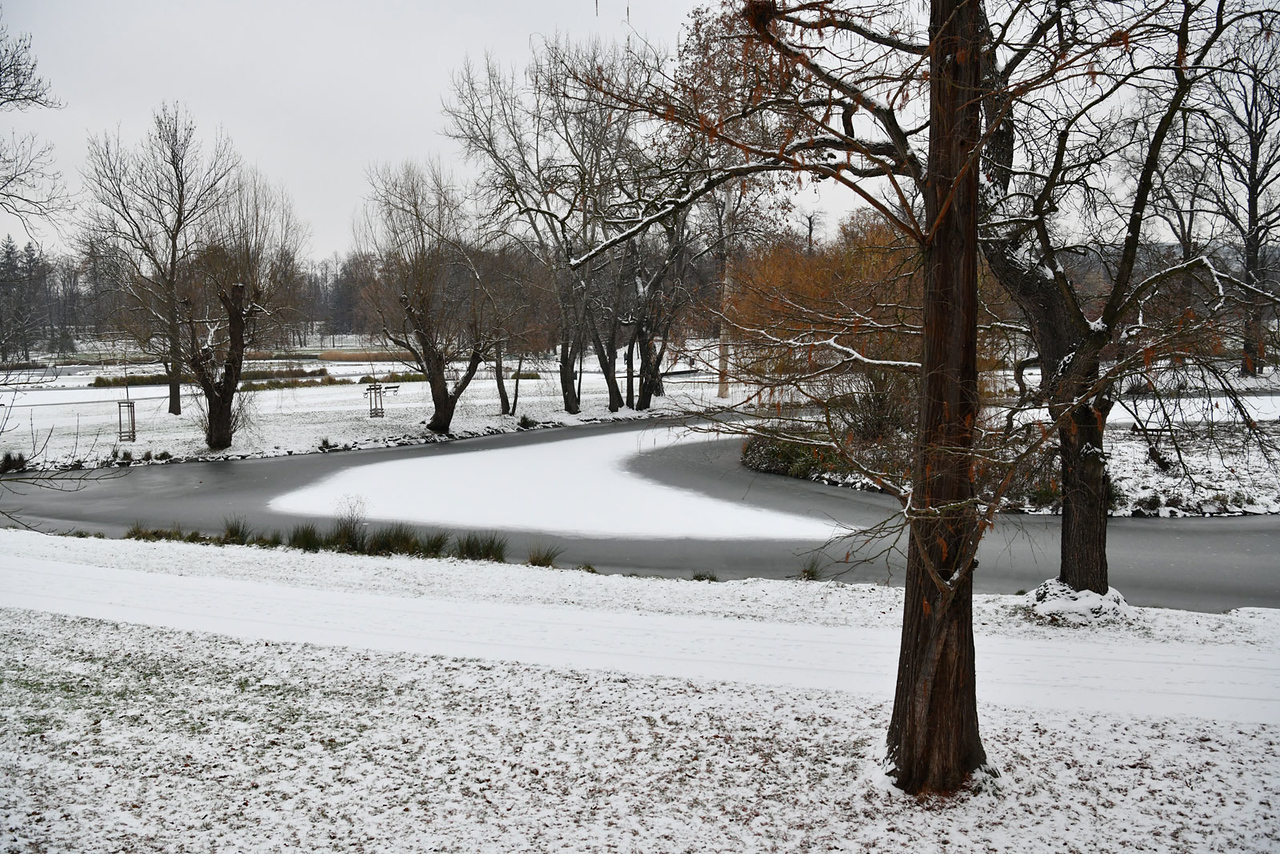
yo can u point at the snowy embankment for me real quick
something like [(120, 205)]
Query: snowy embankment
[(65, 422), (163, 696)]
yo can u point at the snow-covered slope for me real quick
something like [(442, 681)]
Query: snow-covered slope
[(163, 696)]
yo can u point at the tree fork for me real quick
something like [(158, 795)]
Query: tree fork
[(933, 742)]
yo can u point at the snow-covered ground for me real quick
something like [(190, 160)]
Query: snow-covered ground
[(65, 421), (163, 696)]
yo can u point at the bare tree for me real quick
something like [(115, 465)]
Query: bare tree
[(241, 284), (721, 71), (529, 181), (430, 297), (1243, 107), (1066, 239), (577, 176), (30, 186), (148, 206)]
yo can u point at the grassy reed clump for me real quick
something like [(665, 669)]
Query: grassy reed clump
[(481, 545), (544, 554), (307, 537)]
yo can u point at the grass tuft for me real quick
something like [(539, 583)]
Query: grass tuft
[(544, 554), (236, 531), (269, 541), (397, 539), (348, 534), (305, 536), (811, 569), (433, 545), (139, 531), (481, 545)]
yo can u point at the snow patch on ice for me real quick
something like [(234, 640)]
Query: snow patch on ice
[(510, 486)]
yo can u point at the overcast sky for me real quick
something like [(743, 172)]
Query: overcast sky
[(310, 91)]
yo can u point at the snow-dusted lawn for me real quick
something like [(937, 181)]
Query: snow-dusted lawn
[(66, 421), (127, 731)]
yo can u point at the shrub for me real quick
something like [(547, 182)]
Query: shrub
[(1138, 387), (1115, 495), (271, 375), (481, 545), (1150, 503), (705, 576), (306, 537), (347, 535), (394, 377), (139, 531), (774, 456), (277, 384), (525, 375), (527, 423), (236, 531), (164, 455), (366, 355), (586, 567), (12, 461), (136, 379), (543, 554)]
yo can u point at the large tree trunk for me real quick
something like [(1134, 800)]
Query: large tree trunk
[(444, 400), (607, 356), (175, 388), (504, 405), (722, 345), (650, 374), (631, 372), (568, 353), (1084, 500), (221, 416), (175, 368), (515, 391), (1252, 357), (220, 384), (934, 742)]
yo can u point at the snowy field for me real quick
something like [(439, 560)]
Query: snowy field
[(71, 422), (174, 697)]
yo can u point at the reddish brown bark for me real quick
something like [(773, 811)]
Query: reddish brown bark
[(934, 744)]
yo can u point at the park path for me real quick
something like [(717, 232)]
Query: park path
[(1220, 682)]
